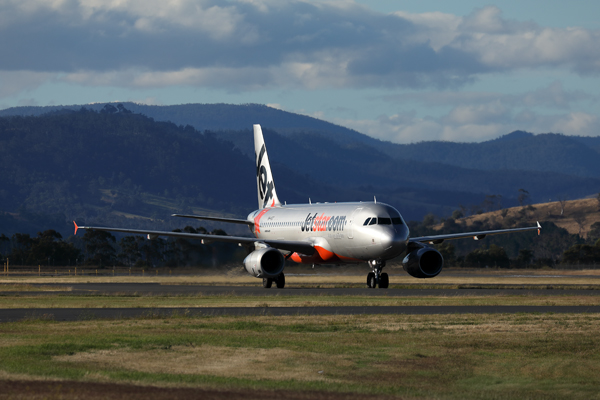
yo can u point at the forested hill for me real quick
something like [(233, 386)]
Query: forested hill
[(515, 151), (86, 165), (102, 167), (220, 117), (519, 151)]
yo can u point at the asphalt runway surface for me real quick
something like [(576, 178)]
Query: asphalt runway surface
[(155, 289), (82, 314)]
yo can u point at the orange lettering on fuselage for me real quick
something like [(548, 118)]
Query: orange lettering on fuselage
[(323, 223)]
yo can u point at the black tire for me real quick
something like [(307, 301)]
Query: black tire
[(267, 282), (370, 276), (280, 281), (384, 281)]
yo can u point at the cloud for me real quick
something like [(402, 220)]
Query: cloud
[(582, 124), (476, 117), (554, 96), (249, 45), (15, 82)]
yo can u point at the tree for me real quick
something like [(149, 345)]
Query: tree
[(495, 256), (562, 199), (130, 251), (523, 197), (492, 202), (447, 251), (99, 248), (594, 232), (525, 256), (582, 254), (429, 220), (49, 247), (4, 241), (22, 243), (580, 220), (457, 214)]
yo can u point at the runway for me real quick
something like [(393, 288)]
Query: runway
[(80, 314), (155, 289)]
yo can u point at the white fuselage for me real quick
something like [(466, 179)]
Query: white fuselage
[(340, 232)]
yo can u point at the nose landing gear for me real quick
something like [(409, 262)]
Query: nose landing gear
[(377, 278)]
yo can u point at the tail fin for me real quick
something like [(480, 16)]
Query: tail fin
[(267, 196)]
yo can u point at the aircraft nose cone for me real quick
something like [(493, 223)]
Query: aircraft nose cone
[(393, 242)]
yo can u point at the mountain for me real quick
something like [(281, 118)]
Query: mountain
[(105, 165), (517, 151), (218, 117)]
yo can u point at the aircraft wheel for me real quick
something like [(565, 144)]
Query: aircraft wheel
[(267, 282), (280, 281), (384, 281), (371, 281)]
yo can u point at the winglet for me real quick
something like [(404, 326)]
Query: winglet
[(539, 228), (76, 227)]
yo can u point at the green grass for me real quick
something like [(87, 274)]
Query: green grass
[(523, 356)]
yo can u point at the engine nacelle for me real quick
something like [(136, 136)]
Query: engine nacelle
[(264, 263), (424, 262)]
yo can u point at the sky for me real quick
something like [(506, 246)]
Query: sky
[(403, 71)]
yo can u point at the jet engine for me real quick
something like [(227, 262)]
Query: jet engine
[(264, 263), (423, 262)]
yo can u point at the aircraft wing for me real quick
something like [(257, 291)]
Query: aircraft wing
[(220, 219), (436, 239), (288, 245)]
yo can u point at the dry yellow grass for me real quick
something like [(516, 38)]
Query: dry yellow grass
[(328, 278), (238, 362), (587, 208)]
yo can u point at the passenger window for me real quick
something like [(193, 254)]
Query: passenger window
[(384, 221), (367, 221), (373, 221)]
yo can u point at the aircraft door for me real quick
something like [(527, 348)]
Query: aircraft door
[(351, 223)]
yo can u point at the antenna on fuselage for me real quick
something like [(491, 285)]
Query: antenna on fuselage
[(375, 199), (309, 201)]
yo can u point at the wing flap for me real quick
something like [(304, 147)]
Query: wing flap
[(436, 239), (287, 245)]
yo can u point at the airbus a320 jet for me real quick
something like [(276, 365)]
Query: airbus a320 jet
[(323, 233)]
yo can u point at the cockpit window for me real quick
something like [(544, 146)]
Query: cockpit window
[(384, 221), (373, 221), (396, 219), (367, 221)]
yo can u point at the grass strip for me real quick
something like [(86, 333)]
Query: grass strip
[(8, 301), (435, 356)]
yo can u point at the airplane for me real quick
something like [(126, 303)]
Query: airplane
[(322, 233)]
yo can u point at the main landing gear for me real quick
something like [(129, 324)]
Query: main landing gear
[(279, 281), (376, 277)]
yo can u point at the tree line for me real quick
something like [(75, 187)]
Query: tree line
[(102, 249)]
